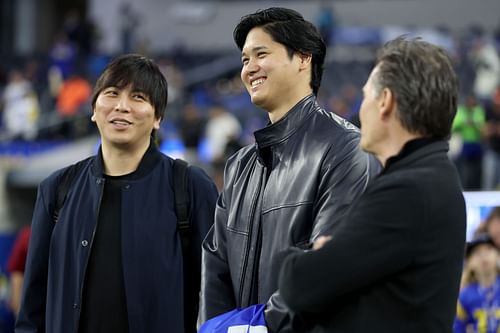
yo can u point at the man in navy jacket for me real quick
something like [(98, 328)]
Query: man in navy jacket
[(112, 262)]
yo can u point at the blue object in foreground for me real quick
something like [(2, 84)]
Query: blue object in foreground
[(246, 320)]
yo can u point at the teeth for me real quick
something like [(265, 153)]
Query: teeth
[(257, 82), (120, 122)]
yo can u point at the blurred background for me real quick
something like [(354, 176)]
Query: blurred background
[(52, 51)]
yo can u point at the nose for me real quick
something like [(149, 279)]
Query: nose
[(251, 67), (122, 103)]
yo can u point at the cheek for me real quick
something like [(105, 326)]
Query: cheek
[(362, 114), (242, 74), (472, 263), (494, 230), (102, 103)]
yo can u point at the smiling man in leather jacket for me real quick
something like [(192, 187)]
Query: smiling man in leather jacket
[(294, 184)]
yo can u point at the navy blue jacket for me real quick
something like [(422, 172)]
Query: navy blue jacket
[(151, 249)]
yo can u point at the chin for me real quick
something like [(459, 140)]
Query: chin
[(364, 145), (118, 140), (257, 100)]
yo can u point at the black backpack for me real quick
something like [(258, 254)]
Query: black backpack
[(181, 194)]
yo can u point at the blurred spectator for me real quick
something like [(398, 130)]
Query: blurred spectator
[(351, 94), (15, 267), (62, 55), (340, 107), (222, 128), (192, 128), (487, 64), (34, 72), (175, 88), (80, 32), (73, 96), (479, 300), (74, 92), (129, 21), (491, 226), (20, 107), (326, 22), (491, 132), (467, 125)]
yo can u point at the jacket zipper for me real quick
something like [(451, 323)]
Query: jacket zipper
[(77, 322), (254, 288), (249, 244)]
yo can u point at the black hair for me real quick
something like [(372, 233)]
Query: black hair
[(139, 72), (289, 28)]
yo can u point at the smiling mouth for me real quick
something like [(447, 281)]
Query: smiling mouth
[(120, 122), (258, 82)]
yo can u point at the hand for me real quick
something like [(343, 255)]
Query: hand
[(320, 242)]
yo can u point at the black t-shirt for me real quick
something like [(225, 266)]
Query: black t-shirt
[(104, 307)]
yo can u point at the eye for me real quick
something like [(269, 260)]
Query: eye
[(244, 61), (139, 96), (261, 54), (110, 92)]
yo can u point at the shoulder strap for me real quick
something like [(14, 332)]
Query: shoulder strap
[(181, 194), (64, 185)]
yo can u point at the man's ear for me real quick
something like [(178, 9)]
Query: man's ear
[(305, 60), (93, 116), (156, 124), (386, 103)]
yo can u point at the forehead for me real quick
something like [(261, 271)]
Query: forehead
[(483, 247), (258, 38), (374, 73), (369, 82)]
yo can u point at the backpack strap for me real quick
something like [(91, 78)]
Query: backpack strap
[(181, 194), (64, 185)]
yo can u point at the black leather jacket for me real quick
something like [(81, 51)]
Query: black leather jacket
[(294, 184)]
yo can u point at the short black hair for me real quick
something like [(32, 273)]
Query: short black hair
[(422, 78), (478, 240), (141, 73), (289, 28)]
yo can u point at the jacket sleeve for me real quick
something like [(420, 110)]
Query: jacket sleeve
[(373, 244), (344, 175), (31, 318), (217, 295), (203, 196)]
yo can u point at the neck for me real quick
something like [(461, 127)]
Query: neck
[(279, 111), (120, 161)]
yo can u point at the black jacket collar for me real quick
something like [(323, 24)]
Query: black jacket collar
[(415, 149), (286, 126), (148, 161)]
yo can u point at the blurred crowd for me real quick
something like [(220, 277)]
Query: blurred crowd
[(479, 300), (47, 97)]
